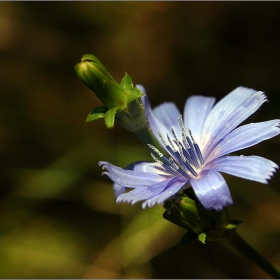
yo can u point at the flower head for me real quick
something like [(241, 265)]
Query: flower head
[(196, 148)]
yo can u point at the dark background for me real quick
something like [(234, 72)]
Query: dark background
[(59, 218)]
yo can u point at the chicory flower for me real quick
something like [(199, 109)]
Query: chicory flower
[(197, 147)]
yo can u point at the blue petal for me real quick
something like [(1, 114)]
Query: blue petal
[(246, 136), (129, 178), (118, 190), (155, 124), (151, 191), (196, 110), (173, 188), (148, 167), (211, 190), (228, 113), (144, 192), (248, 167), (168, 113)]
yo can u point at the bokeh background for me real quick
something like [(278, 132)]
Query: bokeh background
[(58, 215)]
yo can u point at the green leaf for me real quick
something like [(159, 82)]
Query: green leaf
[(202, 237), (110, 117), (188, 237), (96, 114)]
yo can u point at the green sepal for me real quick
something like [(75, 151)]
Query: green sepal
[(187, 238), (126, 82), (96, 114), (135, 94), (202, 237), (233, 224), (189, 207), (110, 117)]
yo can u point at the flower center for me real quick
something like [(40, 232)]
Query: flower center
[(185, 156)]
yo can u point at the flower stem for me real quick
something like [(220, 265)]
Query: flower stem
[(146, 135), (239, 244)]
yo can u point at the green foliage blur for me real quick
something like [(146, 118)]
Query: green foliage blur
[(58, 216)]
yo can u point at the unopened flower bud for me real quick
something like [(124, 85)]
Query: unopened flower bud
[(94, 75), (116, 97)]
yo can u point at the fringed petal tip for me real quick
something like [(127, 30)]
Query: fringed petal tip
[(271, 172), (263, 96), (126, 199), (102, 164), (149, 204)]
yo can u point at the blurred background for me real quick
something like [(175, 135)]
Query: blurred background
[(59, 218)]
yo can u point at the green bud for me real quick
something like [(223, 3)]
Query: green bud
[(94, 75), (116, 97), (186, 211)]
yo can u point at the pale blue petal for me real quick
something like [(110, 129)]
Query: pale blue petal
[(149, 167), (246, 136), (129, 178), (253, 168), (211, 190), (174, 187), (142, 166), (118, 190), (155, 124), (168, 114), (145, 191), (228, 114), (196, 111)]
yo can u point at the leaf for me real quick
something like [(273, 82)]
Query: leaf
[(96, 114), (187, 238)]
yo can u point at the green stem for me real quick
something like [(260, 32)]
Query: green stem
[(147, 137), (238, 243)]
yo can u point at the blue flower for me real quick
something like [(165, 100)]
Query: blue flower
[(197, 145)]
